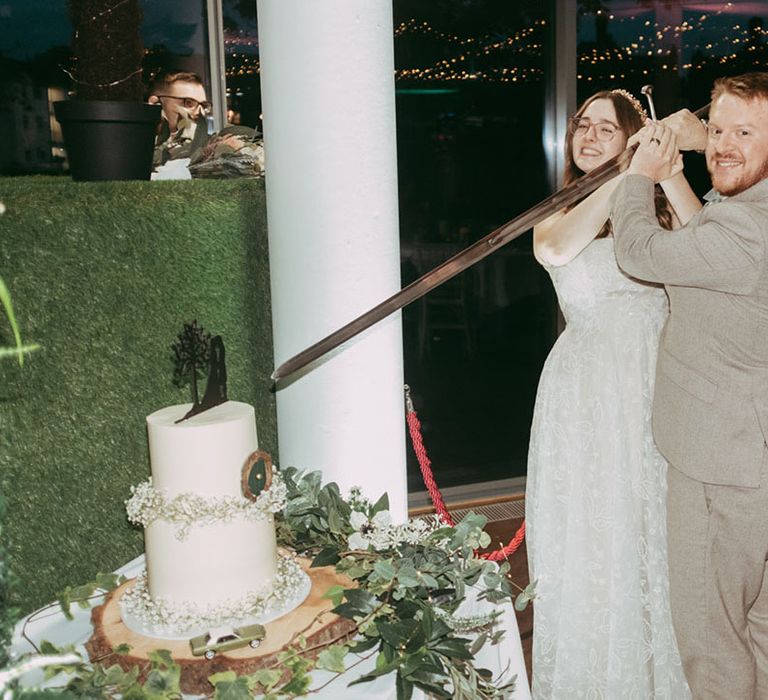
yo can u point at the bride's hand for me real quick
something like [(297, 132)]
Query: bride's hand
[(657, 153), (638, 135)]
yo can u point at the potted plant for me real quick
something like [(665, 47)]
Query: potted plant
[(108, 129)]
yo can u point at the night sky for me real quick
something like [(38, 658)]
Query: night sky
[(29, 27)]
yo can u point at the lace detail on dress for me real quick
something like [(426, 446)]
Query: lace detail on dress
[(596, 495)]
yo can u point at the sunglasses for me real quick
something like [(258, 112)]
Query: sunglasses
[(189, 102)]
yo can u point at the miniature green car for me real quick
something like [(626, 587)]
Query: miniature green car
[(226, 639)]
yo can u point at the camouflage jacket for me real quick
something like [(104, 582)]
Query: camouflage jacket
[(235, 151)]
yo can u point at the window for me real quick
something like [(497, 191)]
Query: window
[(35, 43), (470, 113), (470, 101), (679, 48), (471, 79)]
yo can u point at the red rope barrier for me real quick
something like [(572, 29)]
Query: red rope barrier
[(425, 465)]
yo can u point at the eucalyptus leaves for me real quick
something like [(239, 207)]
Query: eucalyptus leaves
[(411, 581)]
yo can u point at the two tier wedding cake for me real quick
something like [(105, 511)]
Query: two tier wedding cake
[(209, 532)]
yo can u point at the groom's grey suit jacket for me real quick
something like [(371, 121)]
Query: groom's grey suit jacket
[(710, 407)]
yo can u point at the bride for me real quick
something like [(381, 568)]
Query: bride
[(596, 483)]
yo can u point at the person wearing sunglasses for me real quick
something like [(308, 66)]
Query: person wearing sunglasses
[(183, 129), (181, 95), (183, 146)]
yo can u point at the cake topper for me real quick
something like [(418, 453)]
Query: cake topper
[(194, 352)]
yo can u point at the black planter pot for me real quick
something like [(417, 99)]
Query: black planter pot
[(108, 140)]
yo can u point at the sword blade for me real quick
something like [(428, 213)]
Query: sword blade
[(461, 261)]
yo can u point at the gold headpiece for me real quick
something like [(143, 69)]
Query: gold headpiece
[(629, 97)]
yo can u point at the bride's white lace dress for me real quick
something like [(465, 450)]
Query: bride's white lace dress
[(595, 502)]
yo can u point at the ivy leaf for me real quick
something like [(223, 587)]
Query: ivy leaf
[(356, 570), (230, 688), (222, 677), (162, 684), (267, 678), (48, 648), (108, 581), (44, 694), (135, 692), (122, 649), (298, 685), (335, 594), (161, 658), (65, 601), (326, 556), (332, 658)]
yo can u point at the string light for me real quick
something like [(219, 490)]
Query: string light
[(519, 57)]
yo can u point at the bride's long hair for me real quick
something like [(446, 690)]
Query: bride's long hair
[(630, 118)]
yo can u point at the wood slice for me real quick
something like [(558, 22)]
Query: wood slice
[(312, 618)]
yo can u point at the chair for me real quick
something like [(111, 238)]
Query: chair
[(446, 308)]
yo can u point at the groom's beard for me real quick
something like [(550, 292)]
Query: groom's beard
[(728, 186)]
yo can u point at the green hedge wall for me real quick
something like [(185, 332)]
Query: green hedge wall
[(102, 276)]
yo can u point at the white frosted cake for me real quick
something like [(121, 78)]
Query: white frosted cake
[(211, 555)]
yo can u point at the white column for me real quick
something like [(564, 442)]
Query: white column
[(329, 132)]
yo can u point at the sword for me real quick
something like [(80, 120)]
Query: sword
[(466, 258), (647, 90)]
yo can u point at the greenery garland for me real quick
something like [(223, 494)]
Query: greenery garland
[(410, 580)]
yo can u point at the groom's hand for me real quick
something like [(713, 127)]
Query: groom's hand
[(690, 131)]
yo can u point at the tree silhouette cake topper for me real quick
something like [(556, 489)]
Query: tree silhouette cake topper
[(196, 354)]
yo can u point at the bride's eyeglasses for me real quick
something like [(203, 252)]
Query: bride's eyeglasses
[(604, 131)]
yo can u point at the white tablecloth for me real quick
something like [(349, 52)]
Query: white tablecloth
[(504, 659)]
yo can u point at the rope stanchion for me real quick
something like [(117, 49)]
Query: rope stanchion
[(425, 465)]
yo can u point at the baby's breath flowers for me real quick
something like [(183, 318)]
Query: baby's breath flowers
[(148, 504), (379, 533), (282, 592)]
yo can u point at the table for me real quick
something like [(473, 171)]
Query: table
[(504, 660)]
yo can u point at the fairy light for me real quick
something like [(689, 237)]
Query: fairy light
[(519, 56)]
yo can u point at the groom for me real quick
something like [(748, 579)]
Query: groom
[(710, 409)]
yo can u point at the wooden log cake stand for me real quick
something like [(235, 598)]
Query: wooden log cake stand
[(312, 618)]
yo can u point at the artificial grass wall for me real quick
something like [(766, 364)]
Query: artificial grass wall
[(102, 276)]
